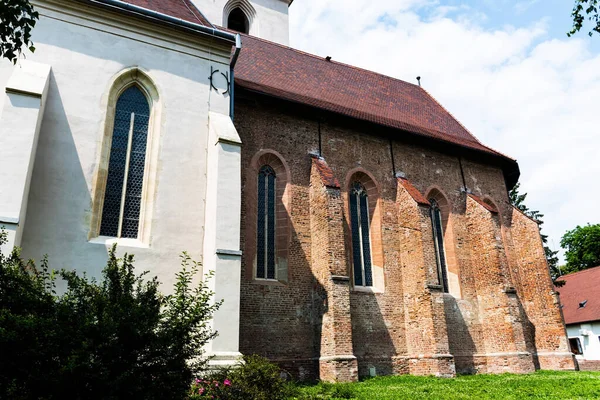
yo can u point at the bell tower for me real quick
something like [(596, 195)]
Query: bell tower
[(266, 19)]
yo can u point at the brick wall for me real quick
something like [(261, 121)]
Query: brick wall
[(317, 325)]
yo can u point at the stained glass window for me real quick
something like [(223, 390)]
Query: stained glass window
[(265, 233), (438, 239), (361, 239), (123, 195)]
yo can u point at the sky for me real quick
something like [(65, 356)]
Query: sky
[(505, 69)]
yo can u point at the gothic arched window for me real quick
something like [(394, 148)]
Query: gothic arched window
[(438, 239), (123, 194), (265, 232), (361, 240), (238, 21)]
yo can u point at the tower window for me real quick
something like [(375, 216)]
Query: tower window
[(238, 21), (438, 239), (122, 199), (361, 240), (265, 232)]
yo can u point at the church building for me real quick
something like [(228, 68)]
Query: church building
[(353, 225)]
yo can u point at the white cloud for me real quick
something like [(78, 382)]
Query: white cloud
[(518, 90), (523, 6)]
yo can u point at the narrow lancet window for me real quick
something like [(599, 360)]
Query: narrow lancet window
[(238, 21), (265, 233), (361, 240), (438, 239), (123, 195)]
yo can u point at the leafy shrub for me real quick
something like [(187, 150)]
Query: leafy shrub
[(260, 379), (254, 378), (116, 339), (214, 389)]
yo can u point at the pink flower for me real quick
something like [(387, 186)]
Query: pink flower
[(201, 390), (227, 382)]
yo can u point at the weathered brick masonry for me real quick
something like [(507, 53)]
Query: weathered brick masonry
[(501, 313)]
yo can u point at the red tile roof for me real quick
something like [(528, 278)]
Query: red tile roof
[(293, 75), (579, 287), (413, 192), (182, 9), (327, 177), (290, 74)]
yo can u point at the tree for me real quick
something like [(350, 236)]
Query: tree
[(115, 339), (518, 201), (17, 19), (582, 10), (582, 246)]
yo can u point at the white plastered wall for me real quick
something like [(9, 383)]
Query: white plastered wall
[(589, 337), (222, 250), (85, 52), (271, 21), (20, 122)]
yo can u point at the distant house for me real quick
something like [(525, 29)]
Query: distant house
[(580, 302)]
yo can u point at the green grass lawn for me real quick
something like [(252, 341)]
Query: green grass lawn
[(540, 385)]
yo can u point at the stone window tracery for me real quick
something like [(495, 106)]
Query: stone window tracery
[(438, 239), (122, 198), (266, 218), (361, 240), (266, 193), (125, 179)]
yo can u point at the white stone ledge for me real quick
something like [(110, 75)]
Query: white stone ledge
[(367, 289), (344, 357), (226, 252), (29, 78), (268, 282), (9, 220), (507, 354), (23, 93), (120, 242), (422, 357), (553, 354), (223, 129)]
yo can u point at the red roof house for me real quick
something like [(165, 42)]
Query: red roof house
[(580, 296)]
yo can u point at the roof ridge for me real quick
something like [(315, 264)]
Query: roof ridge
[(387, 77), (580, 272), (332, 61), (463, 126), (451, 114)]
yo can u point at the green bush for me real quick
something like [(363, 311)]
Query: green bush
[(260, 379), (114, 339), (254, 378)]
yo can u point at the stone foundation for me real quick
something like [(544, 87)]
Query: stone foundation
[(589, 365), (338, 369)]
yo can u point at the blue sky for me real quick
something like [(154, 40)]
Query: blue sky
[(505, 69), (502, 13)]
